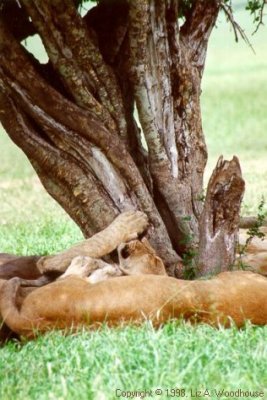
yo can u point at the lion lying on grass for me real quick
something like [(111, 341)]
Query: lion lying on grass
[(72, 301), (135, 258), (127, 226)]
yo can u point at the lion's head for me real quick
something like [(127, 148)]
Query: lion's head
[(138, 257)]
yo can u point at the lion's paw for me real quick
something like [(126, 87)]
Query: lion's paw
[(81, 266), (131, 224)]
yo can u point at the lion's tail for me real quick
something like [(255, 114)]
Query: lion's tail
[(9, 311)]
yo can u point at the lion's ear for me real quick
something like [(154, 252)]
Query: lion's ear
[(160, 265), (148, 245)]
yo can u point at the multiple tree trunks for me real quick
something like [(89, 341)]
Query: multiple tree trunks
[(74, 119)]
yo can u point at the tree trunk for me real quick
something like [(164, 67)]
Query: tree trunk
[(220, 218), (74, 117)]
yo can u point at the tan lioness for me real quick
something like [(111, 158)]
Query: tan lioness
[(84, 258), (124, 228), (255, 255), (135, 258), (73, 302), (138, 257), (78, 259)]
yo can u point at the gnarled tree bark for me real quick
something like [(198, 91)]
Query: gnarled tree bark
[(220, 218), (74, 117)]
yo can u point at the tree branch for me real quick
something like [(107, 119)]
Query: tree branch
[(18, 20), (77, 191), (197, 28), (236, 27), (110, 21), (166, 87), (77, 60), (67, 126)]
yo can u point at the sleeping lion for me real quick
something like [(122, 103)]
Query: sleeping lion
[(84, 296), (72, 302)]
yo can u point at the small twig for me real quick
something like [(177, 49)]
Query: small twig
[(260, 21), (236, 27)]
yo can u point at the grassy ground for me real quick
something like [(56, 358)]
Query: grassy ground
[(93, 365), (234, 104)]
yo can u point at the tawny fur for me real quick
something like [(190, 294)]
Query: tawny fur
[(124, 228), (73, 301), (127, 225), (230, 297), (138, 257), (93, 269), (5, 332), (255, 256), (21, 266), (135, 258), (96, 270)]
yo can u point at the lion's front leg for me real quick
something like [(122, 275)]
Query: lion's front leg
[(124, 228), (83, 266)]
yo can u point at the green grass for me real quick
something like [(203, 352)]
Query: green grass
[(234, 105), (31, 221), (93, 364)]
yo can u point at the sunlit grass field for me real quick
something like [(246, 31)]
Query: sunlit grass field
[(234, 105), (93, 365)]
